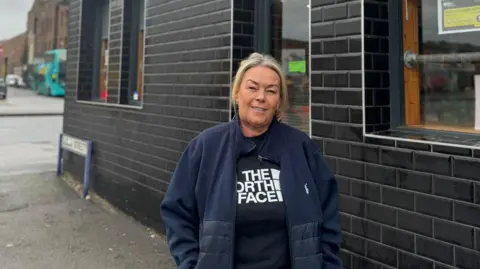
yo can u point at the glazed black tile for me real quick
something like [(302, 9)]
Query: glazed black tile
[(371, 10), (365, 190), (323, 96), (356, 115), (434, 206), (435, 164), (355, 44), (337, 148), (322, 129), (359, 262), (323, 64), (466, 258), (411, 180), (435, 250), (348, 62), (407, 260), (453, 188), (352, 206), (353, 98), (467, 168), (351, 169), (417, 223), (365, 153), (454, 233), (467, 214), (317, 15), (398, 198), (355, 80), (414, 145), (350, 133), (382, 214), (323, 30), (317, 113), (398, 238), (367, 229), (397, 158), (373, 79), (381, 174), (373, 115), (381, 97), (343, 28), (382, 253), (353, 243), (335, 13), (335, 80), (336, 114)]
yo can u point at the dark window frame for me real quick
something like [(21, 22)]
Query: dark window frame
[(99, 12)]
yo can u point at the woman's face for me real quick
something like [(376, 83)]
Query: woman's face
[(258, 97)]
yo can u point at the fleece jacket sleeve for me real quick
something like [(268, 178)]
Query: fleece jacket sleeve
[(179, 209), (331, 229)]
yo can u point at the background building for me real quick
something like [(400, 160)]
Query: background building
[(14, 50), (46, 27), (402, 141)]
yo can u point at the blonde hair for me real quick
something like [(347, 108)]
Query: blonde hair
[(257, 59)]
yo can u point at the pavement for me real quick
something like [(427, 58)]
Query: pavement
[(24, 102), (45, 223)]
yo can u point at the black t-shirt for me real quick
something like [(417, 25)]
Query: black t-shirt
[(261, 237)]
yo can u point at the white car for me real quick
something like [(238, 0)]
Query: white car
[(14, 81)]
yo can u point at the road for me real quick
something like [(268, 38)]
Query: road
[(29, 144), (44, 223), (25, 102)]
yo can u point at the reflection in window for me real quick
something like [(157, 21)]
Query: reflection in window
[(290, 46), (441, 92)]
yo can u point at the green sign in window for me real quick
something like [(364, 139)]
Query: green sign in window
[(297, 67)]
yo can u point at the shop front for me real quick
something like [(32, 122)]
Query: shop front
[(387, 89)]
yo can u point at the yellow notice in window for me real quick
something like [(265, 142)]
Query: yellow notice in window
[(297, 66), (458, 16), (461, 17)]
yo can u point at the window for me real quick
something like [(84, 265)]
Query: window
[(282, 30), (131, 88), (441, 75), (443, 82), (94, 43)]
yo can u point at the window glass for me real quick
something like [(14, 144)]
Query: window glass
[(290, 46), (49, 58), (442, 80)]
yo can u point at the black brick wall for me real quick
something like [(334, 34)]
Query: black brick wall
[(187, 80), (243, 31), (403, 204), (115, 52)]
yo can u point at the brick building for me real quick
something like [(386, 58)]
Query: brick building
[(47, 27), (401, 135), (13, 49)]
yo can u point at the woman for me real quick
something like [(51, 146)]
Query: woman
[(253, 193)]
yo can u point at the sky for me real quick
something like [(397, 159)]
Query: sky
[(13, 17)]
